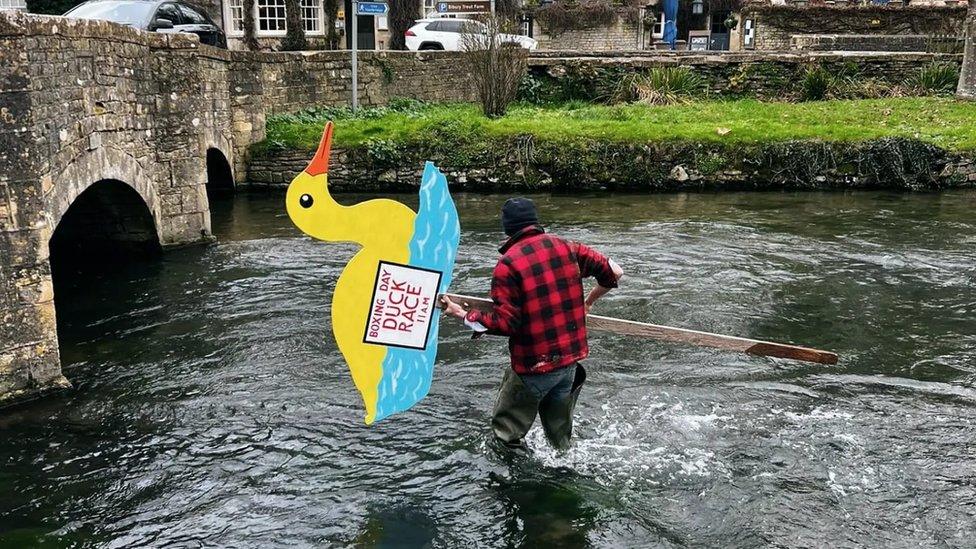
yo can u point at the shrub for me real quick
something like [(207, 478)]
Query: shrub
[(662, 86), (936, 78), (538, 90), (817, 84)]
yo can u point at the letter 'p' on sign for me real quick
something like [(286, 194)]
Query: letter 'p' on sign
[(404, 302)]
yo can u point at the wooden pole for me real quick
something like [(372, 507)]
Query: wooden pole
[(682, 335)]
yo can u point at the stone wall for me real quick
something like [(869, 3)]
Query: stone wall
[(766, 75), (273, 43), (623, 35), (265, 83), (877, 42), (775, 26), (658, 166)]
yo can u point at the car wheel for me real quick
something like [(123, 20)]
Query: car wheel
[(430, 46)]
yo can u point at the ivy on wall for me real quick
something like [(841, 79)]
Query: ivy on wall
[(858, 19), (559, 17)]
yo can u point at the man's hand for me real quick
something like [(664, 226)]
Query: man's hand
[(452, 308)]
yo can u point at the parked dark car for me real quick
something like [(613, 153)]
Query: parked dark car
[(155, 16)]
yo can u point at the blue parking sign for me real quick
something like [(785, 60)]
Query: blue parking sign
[(372, 8)]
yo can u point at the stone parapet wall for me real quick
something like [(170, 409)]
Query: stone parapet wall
[(776, 25), (877, 42), (766, 75)]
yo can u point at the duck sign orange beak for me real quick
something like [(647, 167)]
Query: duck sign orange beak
[(320, 162)]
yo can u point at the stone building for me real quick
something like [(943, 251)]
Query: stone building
[(845, 27), (270, 16), (773, 25), (18, 5)]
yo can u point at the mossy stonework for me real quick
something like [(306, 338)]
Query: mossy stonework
[(768, 76), (525, 163)]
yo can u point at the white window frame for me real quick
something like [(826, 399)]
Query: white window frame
[(230, 5), (319, 16), (270, 4), (18, 5), (659, 23)]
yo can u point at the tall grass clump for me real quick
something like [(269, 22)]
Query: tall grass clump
[(936, 77), (817, 84), (662, 86)]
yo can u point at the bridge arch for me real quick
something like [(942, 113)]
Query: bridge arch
[(101, 164), (220, 174), (219, 154), (108, 223)]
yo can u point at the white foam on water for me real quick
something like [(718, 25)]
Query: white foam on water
[(654, 444)]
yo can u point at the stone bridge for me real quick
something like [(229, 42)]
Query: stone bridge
[(110, 139)]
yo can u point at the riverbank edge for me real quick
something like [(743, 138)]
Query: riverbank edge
[(522, 162)]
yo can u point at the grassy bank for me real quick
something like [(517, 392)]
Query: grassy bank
[(903, 143), (942, 122)]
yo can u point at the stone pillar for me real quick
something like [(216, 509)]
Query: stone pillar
[(181, 115), (967, 76), (29, 363)]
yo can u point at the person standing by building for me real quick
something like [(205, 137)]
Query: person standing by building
[(537, 290)]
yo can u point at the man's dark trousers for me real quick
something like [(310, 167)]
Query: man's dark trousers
[(552, 396)]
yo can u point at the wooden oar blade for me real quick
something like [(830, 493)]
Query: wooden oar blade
[(682, 335)]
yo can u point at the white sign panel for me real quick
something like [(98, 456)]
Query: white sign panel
[(404, 302)]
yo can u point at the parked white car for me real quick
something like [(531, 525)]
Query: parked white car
[(445, 34)]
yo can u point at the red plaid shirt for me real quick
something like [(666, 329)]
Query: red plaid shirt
[(537, 288)]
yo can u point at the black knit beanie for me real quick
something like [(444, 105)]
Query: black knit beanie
[(517, 214)]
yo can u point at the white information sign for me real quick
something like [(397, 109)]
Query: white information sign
[(404, 302)]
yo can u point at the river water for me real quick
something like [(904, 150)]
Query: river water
[(212, 408)]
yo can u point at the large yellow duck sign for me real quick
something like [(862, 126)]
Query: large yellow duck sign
[(384, 309)]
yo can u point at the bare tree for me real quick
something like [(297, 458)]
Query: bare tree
[(494, 62), (967, 76)]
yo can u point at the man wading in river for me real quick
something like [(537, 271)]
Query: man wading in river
[(537, 290)]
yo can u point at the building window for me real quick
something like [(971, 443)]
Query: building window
[(312, 16), (235, 14), (658, 31), (271, 17), (13, 5)]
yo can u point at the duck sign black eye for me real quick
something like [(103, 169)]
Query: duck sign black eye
[(306, 200)]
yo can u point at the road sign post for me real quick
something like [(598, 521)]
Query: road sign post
[(355, 49), (361, 8)]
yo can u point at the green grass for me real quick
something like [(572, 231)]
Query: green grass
[(941, 121)]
